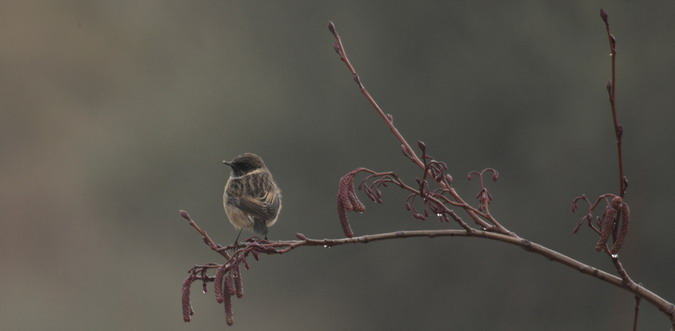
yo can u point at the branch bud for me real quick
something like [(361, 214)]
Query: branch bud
[(331, 28), (604, 15)]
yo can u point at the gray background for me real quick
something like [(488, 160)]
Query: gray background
[(115, 115)]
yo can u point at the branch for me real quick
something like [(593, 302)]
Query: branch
[(636, 313), (387, 118), (637, 289), (205, 236), (256, 247), (407, 150), (611, 90), (434, 189)]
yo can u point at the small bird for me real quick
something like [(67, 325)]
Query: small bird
[(252, 200)]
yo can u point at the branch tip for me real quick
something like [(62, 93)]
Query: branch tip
[(604, 15), (421, 145), (331, 28), (184, 214)]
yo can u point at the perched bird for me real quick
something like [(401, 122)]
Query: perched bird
[(252, 199)]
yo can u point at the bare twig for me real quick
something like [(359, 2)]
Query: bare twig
[(283, 247), (637, 312), (205, 236), (611, 90), (616, 213), (339, 48), (408, 151)]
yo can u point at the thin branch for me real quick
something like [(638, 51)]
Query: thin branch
[(205, 236), (340, 50), (621, 270), (611, 90), (637, 312), (282, 247)]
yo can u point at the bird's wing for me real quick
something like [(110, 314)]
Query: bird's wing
[(265, 207)]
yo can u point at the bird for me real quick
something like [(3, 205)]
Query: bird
[(251, 199)]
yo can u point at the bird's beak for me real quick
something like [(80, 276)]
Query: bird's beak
[(227, 163)]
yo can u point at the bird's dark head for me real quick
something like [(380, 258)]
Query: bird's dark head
[(245, 163)]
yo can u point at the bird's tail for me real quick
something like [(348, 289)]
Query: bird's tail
[(260, 226)]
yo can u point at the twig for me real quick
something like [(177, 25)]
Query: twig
[(340, 50), (283, 247), (529, 246), (205, 236), (637, 312), (611, 90)]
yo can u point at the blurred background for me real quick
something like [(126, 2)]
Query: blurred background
[(115, 115)]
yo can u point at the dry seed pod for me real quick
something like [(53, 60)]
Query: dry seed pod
[(625, 225), (185, 302), (238, 285), (229, 316), (218, 284), (607, 224)]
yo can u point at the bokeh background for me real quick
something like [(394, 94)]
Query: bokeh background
[(115, 115)]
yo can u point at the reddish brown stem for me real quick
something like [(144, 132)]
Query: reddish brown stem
[(621, 270), (205, 236), (340, 49), (624, 282), (611, 90), (637, 312)]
